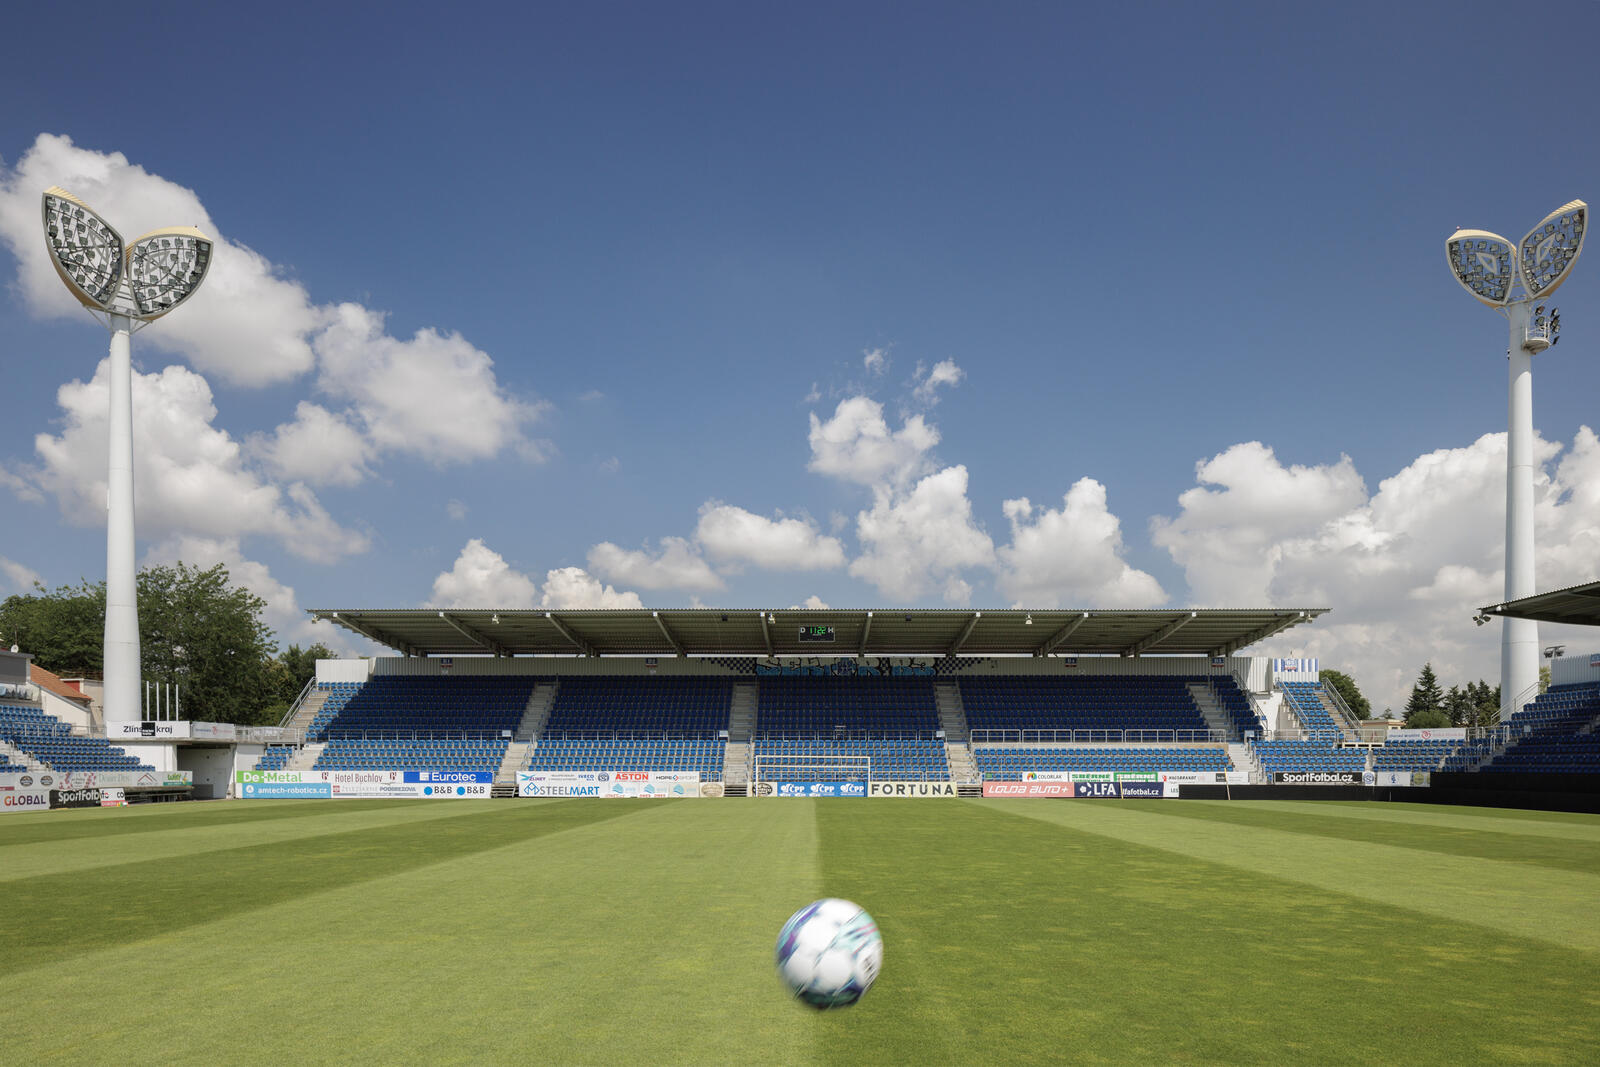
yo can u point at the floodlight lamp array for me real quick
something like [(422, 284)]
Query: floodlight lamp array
[(165, 267), (1547, 254), (1482, 262), (1499, 273), (86, 251), (144, 281)]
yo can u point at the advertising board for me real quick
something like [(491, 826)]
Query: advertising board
[(558, 783), (13, 801), (112, 797), (148, 730), (610, 784), (11, 776), (356, 785), (74, 798), (911, 789), (819, 789), (122, 779), (1443, 733), (285, 790), (1323, 778), (1027, 789), (1096, 789), (1394, 778)]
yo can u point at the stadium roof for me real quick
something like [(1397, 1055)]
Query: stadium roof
[(1578, 605), (777, 632)]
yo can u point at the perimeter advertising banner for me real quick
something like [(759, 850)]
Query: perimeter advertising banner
[(13, 801), (611, 784), (1324, 778), (819, 789), (22, 779), (1027, 789), (364, 785), (911, 789)]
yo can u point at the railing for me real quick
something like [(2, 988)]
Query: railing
[(628, 735), (294, 706), (270, 735), (849, 735), (1097, 737), (416, 735)]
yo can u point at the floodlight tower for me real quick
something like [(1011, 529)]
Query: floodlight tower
[(1516, 280), (125, 288)]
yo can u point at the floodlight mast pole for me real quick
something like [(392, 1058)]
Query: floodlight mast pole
[(1516, 280), (1519, 638), (128, 284), (121, 650)]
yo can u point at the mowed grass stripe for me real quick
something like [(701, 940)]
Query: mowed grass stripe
[(1501, 895), (1011, 938), (643, 938), (56, 826), (1569, 826), (1573, 853), (191, 829), (59, 916)]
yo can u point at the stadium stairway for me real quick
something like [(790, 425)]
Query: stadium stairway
[(1243, 758), (958, 754), (736, 763), (18, 758), (1211, 709), (953, 721), (515, 758), (537, 713), (742, 710), (300, 717), (306, 758)]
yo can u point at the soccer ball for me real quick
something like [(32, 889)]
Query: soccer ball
[(829, 953)]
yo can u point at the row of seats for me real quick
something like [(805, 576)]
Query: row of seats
[(827, 760), (1088, 702), (49, 740), (1001, 762), (355, 754)]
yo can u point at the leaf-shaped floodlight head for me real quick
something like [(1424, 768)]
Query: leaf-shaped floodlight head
[(165, 268), (84, 248), (1482, 262), (1547, 254)]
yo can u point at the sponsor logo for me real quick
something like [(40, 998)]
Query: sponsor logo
[(633, 776), (852, 789), (911, 789), (45, 779), (1319, 777), (711, 789), (1095, 789), (75, 798), (1027, 789), (19, 801), (1142, 789), (26, 780)]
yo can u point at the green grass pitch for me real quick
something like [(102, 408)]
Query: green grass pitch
[(579, 931)]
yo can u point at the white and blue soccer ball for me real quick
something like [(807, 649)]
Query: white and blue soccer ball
[(829, 953)]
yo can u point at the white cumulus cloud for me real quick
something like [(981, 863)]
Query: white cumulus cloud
[(945, 372), (677, 565), (1402, 570), (920, 541), (734, 537), (481, 578), (319, 447), (190, 476), (856, 444), (1071, 556)]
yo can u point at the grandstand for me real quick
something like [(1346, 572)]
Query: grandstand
[(52, 743)]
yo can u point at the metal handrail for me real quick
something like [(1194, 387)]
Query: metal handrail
[(294, 706), (1090, 737)]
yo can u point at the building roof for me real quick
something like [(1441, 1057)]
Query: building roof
[(52, 683), (1576, 605), (778, 632)]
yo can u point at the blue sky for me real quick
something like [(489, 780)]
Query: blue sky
[(744, 305)]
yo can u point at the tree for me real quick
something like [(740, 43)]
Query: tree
[(1427, 701), (205, 635), (1345, 686), (197, 631), (290, 673), (64, 629)]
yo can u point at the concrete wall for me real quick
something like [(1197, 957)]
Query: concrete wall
[(158, 754), (212, 767)]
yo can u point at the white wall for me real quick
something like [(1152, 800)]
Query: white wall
[(344, 670), (1575, 668), (212, 766), (158, 754), (68, 711)]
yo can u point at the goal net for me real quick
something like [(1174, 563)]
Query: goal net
[(812, 768)]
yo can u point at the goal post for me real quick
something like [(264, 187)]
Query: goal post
[(816, 767)]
